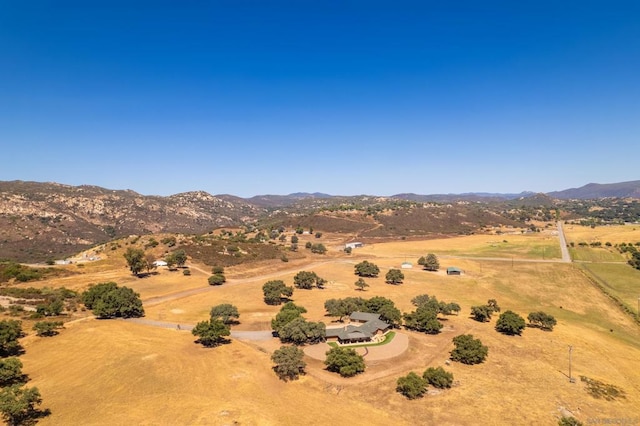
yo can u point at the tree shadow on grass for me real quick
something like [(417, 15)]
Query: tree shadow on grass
[(215, 344), (33, 416)]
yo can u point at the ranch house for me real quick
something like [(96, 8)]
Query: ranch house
[(364, 327)]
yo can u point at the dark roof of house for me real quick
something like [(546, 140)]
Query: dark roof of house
[(363, 316), (363, 331)]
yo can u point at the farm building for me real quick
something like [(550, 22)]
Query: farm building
[(160, 263), (452, 270), (353, 245), (406, 265), (370, 326)]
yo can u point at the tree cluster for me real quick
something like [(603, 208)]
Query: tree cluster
[(367, 269), (482, 313), (386, 308), (542, 320), (394, 276), (510, 323), (414, 386), (307, 280), (431, 302), (289, 363), (318, 248), (136, 261), (107, 300), (430, 262), (47, 328), (177, 258), (227, 312), (275, 292), (424, 320), (345, 361), (292, 327), (211, 333), (468, 350), (425, 317), (300, 332), (17, 403), (217, 279), (10, 332)]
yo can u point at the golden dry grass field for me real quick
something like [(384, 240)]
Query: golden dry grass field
[(117, 372)]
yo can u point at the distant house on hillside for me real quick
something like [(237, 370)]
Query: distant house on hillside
[(353, 245), (370, 326), (406, 265), (452, 270), (160, 263)]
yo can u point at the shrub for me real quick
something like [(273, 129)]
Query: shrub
[(412, 386), (47, 328), (318, 248), (438, 377), (217, 279), (569, 421)]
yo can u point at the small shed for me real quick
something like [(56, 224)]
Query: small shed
[(406, 265), (160, 263), (353, 245), (453, 270)]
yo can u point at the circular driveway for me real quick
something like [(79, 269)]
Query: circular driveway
[(396, 347)]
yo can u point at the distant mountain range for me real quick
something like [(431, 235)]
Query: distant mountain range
[(591, 191), (44, 220)]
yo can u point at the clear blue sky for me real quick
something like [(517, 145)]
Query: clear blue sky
[(344, 97)]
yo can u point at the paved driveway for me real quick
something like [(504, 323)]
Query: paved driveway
[(398, 346)]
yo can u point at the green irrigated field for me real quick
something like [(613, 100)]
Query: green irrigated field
[(596, 254), (621, 280)]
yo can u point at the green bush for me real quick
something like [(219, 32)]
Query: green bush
[(217, 279), (468, 350), (438, 377), (412, 386), (510, 323)]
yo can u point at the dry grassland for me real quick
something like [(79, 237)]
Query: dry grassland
[(114, 372), (528, 246), (615, 234), (117, 373)]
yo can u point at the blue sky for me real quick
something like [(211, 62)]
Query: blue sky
[(344, 97)]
